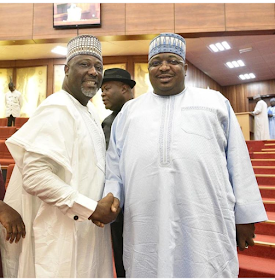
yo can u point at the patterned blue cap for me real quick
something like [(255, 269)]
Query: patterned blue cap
[(167, 43)]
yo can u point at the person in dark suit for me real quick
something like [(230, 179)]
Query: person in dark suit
[(116, 91)]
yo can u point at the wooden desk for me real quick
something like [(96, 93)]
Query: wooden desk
[(246, 121)]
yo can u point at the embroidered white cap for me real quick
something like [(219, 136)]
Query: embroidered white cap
[(84, 44)]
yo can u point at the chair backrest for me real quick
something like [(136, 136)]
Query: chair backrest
[(3, 121), (6, 132), (5, 155), (19, 121), (4, 151), (8, 176)]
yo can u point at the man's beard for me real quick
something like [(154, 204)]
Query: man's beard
[(88, 92)]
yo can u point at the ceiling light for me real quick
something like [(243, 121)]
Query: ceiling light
[(247, 76), (240, 62), (242, 77), (219, 46), (229, 64), (245, 50), (226, 45), (235, 63), (213, 48), (60, 50)]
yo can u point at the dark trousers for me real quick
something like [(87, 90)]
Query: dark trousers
[(11, 120), (117, 240)]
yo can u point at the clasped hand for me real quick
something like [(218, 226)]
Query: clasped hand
[(106, 211), (245, 234), (13, 223)]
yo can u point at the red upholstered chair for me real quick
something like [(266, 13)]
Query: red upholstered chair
[(9, 172), (6, 132), (5, 157), (3, 121), (2, 187), (19, 121)]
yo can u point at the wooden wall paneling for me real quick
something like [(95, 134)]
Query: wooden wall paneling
[(112, 18), (130, 66), (149, 18), (237, 98), (59, 61), (137, 59), (112, 21), (34, 21), (43, 24), (234, 100), (249, 16), (241, 99), (16, 21), (115, 59), (31, 63), (252, 89), (199, 17), (239, 95), (14, 76), (50, 77), (7, 63), (196, 78), (224, 92)]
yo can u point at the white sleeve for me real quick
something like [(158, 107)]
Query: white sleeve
[(40, 179), (249, 207), (258, 109), (113, 182)]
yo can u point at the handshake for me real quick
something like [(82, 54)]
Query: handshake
[(106, 211)]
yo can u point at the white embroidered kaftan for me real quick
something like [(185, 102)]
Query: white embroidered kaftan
[(261, 129), (57, 244), (14, 102), (180, 166)]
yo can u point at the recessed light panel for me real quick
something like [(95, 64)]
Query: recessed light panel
[(247, 76), (235, 64), (229, 64), (226, 45), (219, 47), (213, 48)]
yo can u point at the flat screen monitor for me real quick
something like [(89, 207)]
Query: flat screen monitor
[(76, 15)]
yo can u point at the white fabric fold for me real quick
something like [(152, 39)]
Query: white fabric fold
[(57, 245)]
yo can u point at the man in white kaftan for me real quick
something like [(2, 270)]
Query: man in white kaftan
[(58, 179), (261, 129), (178, 163), (271, 118), (14, 102)]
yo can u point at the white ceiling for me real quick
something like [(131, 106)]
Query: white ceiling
[(260, 61)]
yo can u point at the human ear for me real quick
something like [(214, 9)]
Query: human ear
[(123, 88), (66, 69), (185, 67)]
